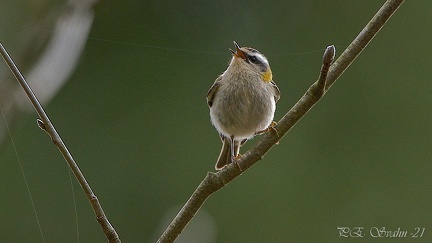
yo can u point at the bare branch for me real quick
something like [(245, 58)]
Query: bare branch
[(362, 40), (45, 124), (328, 75)]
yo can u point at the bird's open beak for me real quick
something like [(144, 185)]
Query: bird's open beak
[(238, 53)]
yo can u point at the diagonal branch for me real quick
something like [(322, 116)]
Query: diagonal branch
[(362, 40), (45, 124), (328, 75)]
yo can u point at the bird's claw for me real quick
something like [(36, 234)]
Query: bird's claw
[(235, 159), (270, 127)]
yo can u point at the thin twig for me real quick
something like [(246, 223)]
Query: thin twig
[(362, 40), (328, 75), (45, 124)]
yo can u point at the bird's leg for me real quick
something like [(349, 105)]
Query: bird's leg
[(234, 157), (270, 127)]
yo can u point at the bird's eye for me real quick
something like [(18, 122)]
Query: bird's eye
[(253, 59)]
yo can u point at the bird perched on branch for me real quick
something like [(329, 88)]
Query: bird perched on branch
[(242, 101)]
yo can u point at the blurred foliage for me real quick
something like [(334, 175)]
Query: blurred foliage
[(135, 118)]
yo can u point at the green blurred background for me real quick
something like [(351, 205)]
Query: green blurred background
[(135, 118)]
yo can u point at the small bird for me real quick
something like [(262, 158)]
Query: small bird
[(242, 101)]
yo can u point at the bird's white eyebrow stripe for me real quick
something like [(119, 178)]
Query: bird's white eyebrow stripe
[(261, 58)]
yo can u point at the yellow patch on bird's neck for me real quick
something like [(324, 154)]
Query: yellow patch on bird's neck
[(267, 75)]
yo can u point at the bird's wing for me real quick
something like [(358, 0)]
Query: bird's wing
[(212, 91), (276, 91)]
